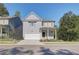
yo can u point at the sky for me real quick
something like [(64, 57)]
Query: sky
[(47, 11)]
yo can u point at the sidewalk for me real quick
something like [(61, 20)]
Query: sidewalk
[(29, 42)]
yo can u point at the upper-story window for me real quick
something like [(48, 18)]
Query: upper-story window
[(47, 24), (32, 23)]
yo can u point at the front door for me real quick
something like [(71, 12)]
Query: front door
[(43, 34)]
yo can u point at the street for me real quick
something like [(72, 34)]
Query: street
[(46, 49)]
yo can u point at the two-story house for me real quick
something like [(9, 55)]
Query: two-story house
[(10, 27), (36, 28)]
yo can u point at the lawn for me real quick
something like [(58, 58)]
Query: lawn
[(8, 41), (60, 42)]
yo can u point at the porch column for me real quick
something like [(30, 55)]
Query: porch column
[(40, 34), (55, 34), (47, 33), (1, 32)]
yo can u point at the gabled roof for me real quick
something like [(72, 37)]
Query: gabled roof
[(32, 16)]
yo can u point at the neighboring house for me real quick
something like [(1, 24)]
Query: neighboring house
[(36, 28), (10, 27)]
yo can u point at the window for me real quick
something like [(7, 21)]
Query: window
[(44, 23), (49, 23), (51, 33), (3, 30), (32, 23)]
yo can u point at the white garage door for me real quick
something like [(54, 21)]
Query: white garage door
[(32, 36)]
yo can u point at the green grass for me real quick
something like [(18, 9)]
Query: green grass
[(57, 40), (60, 42), (8, 41)]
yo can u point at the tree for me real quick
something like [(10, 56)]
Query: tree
[(3, 10), (17, 13), (68, 29)]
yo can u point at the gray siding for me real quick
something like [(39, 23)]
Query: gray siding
[(16, 27), (13, 27)]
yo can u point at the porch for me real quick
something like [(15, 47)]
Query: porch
[(48, 33), (4, 31)]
